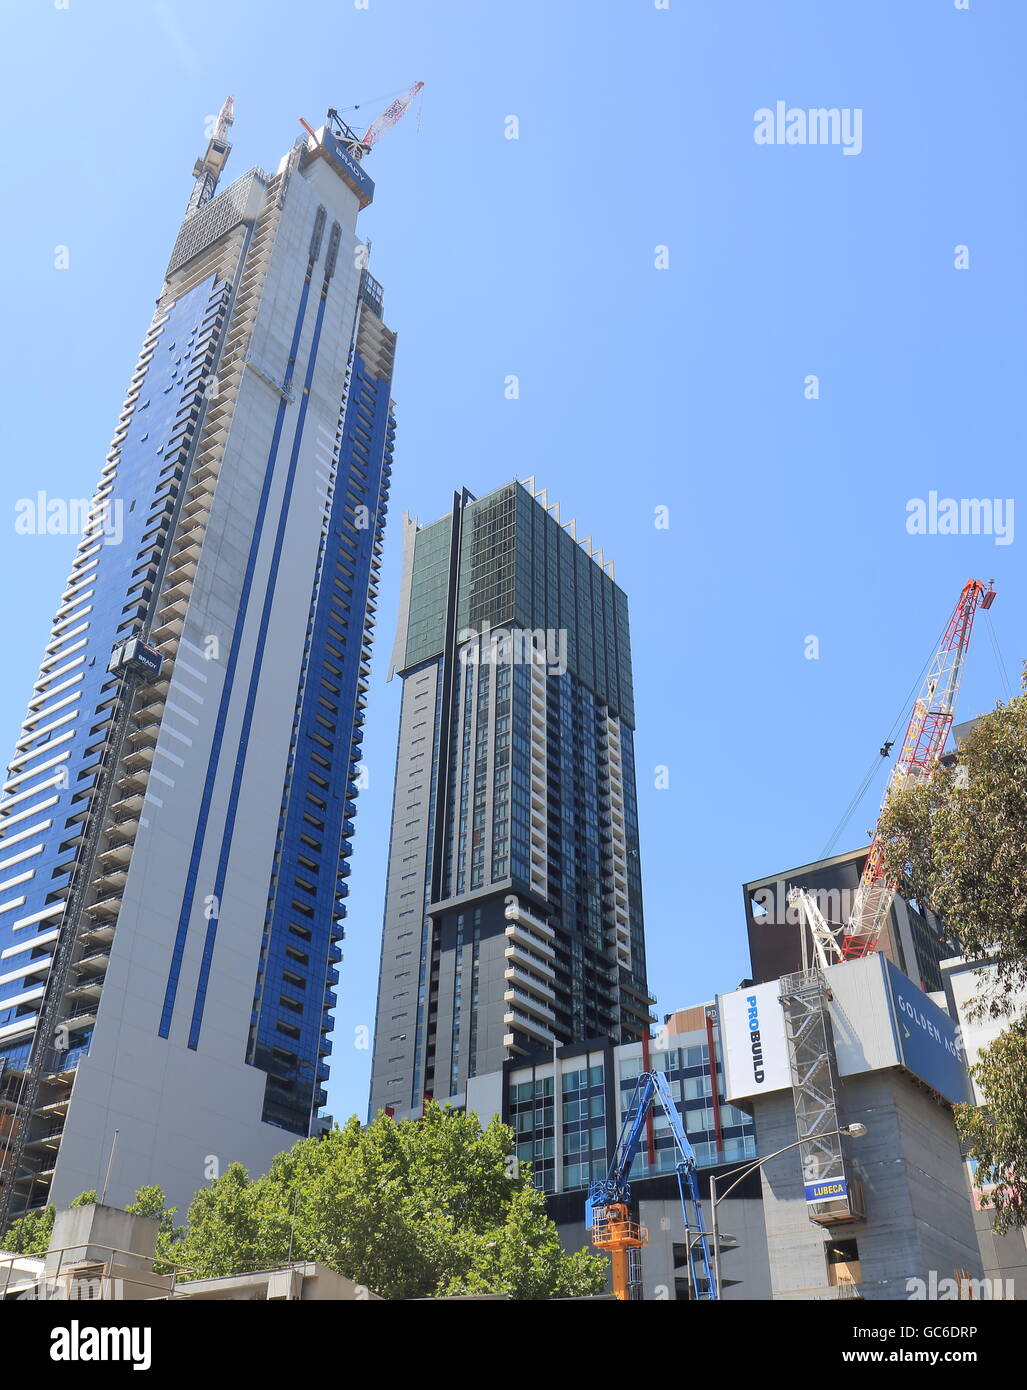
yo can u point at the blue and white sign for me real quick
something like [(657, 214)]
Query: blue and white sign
[(752, 1038), (929, 1043), (360, 182), (833, 1190)]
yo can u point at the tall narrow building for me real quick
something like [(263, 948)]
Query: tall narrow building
[(513, 916), (176, 820)]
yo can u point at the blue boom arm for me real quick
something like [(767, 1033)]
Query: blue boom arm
[(650, 1087)]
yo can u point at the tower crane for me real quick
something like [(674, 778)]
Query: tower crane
[(359, 145), (608, 1213), (922, 747), (390, 116), (207, 169)]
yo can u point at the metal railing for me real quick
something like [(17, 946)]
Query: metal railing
[(86, 1277)]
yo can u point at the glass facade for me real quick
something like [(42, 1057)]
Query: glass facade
[(718, 1133), (522, 634), (574, 1143), (177, 816), (300, 954), (51, 778), (584, 1125)]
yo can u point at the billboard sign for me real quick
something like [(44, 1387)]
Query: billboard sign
[(348, 166), (831, 1190), (752, 1039), (929, 1041)]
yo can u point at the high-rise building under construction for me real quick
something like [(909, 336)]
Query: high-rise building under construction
[(513, 915), (176, 819)]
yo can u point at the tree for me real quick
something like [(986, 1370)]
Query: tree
[(997, 1134), (30, 1234), (151, 1201), (407, 1209), (956, 844)]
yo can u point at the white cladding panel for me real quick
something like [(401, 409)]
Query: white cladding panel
[(752, 1035)]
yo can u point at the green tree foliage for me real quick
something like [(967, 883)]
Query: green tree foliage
[(151, 1201), (29, 1235), (997, 1133), (407, 1209), (957, 844)]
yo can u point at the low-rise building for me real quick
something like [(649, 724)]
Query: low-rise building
[(883, 1215)]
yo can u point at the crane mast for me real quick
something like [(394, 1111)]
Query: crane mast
[(207, 169)]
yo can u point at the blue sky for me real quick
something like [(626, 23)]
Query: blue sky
[(639, 387)]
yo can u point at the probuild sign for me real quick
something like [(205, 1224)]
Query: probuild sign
[(752, 1034), (878, 1019)]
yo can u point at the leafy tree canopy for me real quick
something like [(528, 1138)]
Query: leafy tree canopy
[(957, 844), (407, 1209)]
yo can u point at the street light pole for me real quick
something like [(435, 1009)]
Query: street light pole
[(854, 1131)]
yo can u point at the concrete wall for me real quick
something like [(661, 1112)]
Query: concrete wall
[(918, 1212), (1004, 1258), (405, 934)]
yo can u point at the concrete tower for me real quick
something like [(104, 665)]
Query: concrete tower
[(176, 820)]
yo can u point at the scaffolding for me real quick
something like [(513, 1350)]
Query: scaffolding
[(804, 999)]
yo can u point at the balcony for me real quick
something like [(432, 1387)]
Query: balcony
[(95, 963), (82, 1017), (517, 913), (86, 995), (183, 571), (106, 908), (516, 1018), (525, 1002), (101, 933), (518, 934), (150, 715), (517, 955), (110, 882), (536, 990), (168, 630), (117, 857), (140, 758), (133, 783), (157, 690)]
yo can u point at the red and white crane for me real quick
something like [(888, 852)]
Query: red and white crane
[(359, 145), (924, 742), (390, 116)]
